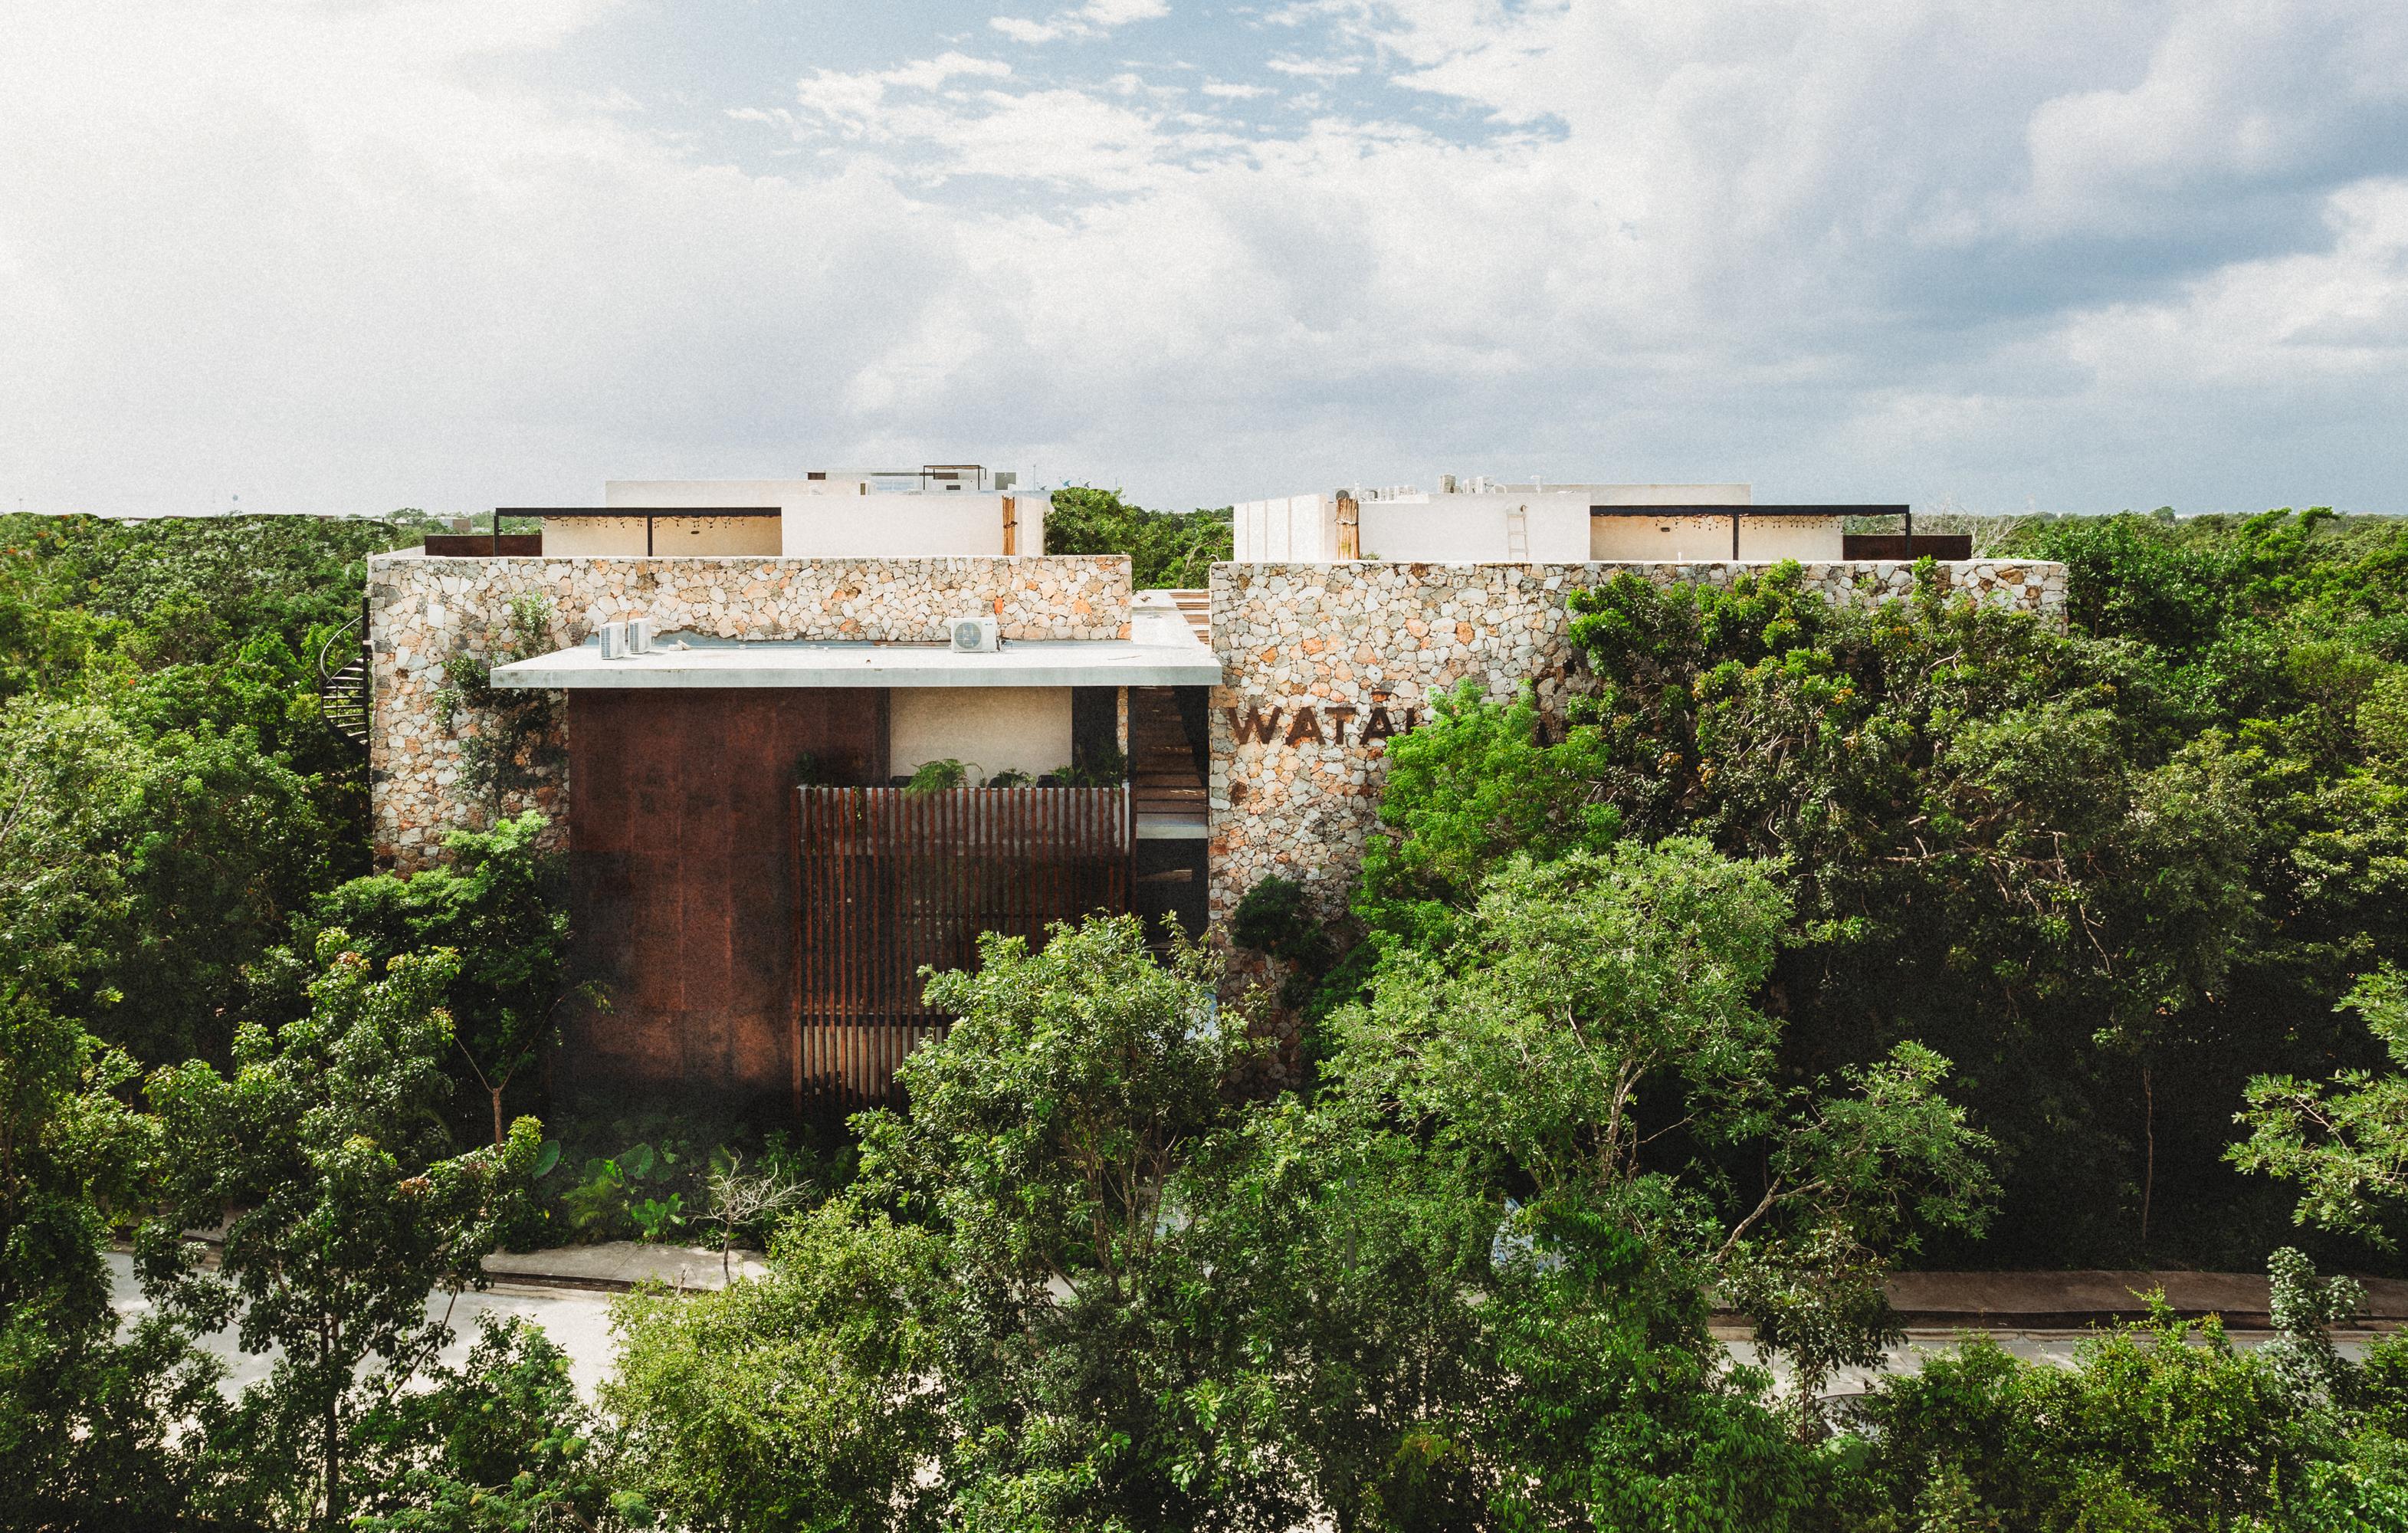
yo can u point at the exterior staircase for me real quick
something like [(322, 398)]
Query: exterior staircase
[(343, 692), (1196, 608), (1166, 762)]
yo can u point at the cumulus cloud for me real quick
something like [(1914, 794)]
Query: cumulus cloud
[(1091, 19), (382, 255)]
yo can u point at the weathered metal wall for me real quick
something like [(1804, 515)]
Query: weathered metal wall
[(682, 889), (892, 880)]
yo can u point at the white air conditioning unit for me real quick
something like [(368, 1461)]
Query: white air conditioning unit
[(976, 636)]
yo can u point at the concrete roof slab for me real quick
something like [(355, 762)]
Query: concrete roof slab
[(689, 660)]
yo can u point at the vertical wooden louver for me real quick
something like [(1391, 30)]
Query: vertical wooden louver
[(892, 880)]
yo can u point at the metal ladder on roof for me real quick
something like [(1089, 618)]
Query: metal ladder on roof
[(1517, 533)]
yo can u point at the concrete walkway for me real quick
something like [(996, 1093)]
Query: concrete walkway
[(2059, 1300), (616, 1266)]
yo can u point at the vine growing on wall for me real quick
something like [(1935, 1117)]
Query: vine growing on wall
[(512, 742)]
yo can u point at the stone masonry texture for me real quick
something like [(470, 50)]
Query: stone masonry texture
[(424, 612), (1364, 648)]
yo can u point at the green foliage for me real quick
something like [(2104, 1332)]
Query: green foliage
[(597, 1205), (596, 1180), (147, 870), (1274, 918), (792, 1402), (500, 1443), (1472, 786), (1104, 767), (658, 1219), (175, 797), (174, 592), (1166, 548), (938, 776), (1591, 1007), (512, 741), (2025, 849), (499, 907), (96, 1429), (1084, 1284), (2162, 1425), (1007, 1317), (2345, 1143), (322, 1151)]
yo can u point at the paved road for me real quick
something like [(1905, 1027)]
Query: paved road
[(579, 1321), (2033, 1346), (576, 1320)]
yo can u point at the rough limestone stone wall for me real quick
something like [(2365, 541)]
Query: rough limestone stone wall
[(423, 612), (1349, 655)]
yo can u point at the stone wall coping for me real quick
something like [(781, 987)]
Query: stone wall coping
[(1869, 566), (469, 564)]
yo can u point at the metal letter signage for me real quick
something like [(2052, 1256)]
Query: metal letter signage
[(1254, 728), (1261, 725)]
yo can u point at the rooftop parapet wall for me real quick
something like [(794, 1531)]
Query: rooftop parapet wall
[(423, 612), (1323, 661)]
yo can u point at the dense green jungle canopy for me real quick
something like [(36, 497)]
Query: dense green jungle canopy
[(2112, 873), (1810, 942), (1166, 549), (175, 797)]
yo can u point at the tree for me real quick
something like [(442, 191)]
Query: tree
[(97, 1430), (741, 1201), (1995, 839), (1472, 787), (1166, 548), (1059, 1138), (2159, 1424), (499, 905), (2344, 1141), (513, 740), (1591, 1045), (149, 869), (1005, 1322), (809, 1399), (322, 1152), (500, 1443)]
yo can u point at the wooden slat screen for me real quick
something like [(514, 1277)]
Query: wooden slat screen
[(892, 880)]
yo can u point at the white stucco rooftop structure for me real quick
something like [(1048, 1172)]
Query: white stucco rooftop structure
[(935, 512), (1477, 521)]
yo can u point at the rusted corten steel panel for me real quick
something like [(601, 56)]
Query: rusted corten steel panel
[(682, 878), (892, 880)]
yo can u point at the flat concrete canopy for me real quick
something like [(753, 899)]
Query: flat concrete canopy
[(694, 660)]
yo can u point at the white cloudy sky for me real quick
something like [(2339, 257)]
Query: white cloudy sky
[(355, 254)]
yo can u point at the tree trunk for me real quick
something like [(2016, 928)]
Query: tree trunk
[(2149, 1162), (334, 1440), (497, 1093)]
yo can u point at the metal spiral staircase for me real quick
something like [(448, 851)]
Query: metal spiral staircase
[(343, 692)]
